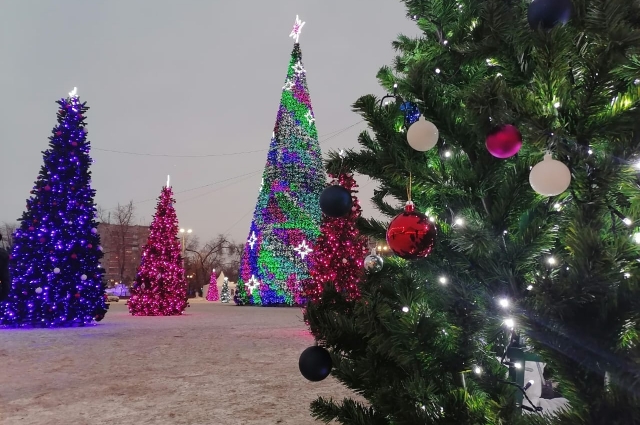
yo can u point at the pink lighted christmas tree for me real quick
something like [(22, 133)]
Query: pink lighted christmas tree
[(338, 255), (160, 288), (212, 293)]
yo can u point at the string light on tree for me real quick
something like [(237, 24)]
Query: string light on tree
[(55, 260), (160, 287), (287, 211), (338, 257)]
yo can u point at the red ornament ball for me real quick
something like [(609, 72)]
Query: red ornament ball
[(410, 234), (74, 143), (74, 256), (42, 240), (89, 246), (58, 133), (504, 141), (31, 228), (77, 295), (47, 188)]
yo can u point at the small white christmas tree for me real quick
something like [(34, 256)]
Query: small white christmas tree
[(225, 297)]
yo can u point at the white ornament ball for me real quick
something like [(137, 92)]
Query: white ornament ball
[(94, 230), (83, 277), (56, 270), (550, 177), (344, 261), (38, 290), (422, 135)]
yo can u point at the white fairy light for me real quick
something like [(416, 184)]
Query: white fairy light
[(447, 154), (459, 221), (405, 309), (636, 238), (437, 70), (627, 275), (504, 303), (556, 105), (590, 151), (551, 260), (510, 323), (517, 365), (529, 288), (627, 221), (557, 207), (477, 370), (442, 280)]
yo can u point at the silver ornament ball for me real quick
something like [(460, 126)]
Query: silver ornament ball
[(373, 263)]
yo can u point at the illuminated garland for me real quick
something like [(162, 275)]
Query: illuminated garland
[(57, 279), (337, 259), (160, 288), (212, 293), (287, 217)]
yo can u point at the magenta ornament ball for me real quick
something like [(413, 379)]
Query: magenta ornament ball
[(504, 141)]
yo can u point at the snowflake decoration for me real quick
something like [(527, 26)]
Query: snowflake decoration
[(288, 85), (298, 68), (252, 283), (303, 249), (252, 240), (297, 27), (310, 117)]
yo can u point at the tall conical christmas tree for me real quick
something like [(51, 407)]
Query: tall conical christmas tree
[(160, 288), (286, 221), (212, 293), (57, 279), (338, 255)]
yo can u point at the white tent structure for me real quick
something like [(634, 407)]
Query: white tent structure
[(219, 281)]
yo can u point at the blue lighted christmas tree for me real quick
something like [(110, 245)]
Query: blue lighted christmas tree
[(55, 265), (286, 221)]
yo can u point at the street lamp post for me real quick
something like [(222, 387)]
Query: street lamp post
[(184, 233)]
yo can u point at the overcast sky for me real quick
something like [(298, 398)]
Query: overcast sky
[(182, 77)]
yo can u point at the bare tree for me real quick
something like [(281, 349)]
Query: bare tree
[(7, 230), (217, 253), (118, 229)]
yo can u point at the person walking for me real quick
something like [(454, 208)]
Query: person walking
[(5, 279)]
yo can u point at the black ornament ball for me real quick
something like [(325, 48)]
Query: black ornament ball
[(315, 363), (548, 13), (335, 201)]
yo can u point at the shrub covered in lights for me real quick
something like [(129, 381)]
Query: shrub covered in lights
[(286, 221), (160, 288), (514, 274), (55, 265), (337, 258)]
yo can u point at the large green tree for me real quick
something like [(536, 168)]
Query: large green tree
[(567, 265)]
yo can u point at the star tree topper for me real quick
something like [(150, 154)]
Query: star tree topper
[(303, 249), (297, 27)]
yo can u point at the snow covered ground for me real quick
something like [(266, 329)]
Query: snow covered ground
[(217, 365)]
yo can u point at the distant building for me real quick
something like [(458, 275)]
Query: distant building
[(115, 240)]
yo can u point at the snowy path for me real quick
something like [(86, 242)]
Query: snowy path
[(217, 365)]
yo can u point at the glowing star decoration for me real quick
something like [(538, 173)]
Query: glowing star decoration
[(168, 181), (288, 85), (342, 154), (297, 28), (298, 68), (73, 93), (252, 283), (310, 118), (303, 249), (252, 240)]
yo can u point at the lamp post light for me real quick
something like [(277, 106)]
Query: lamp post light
[(184, 233)]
